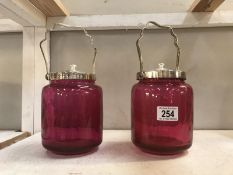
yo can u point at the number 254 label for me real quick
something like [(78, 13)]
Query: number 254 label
[(167, 113)]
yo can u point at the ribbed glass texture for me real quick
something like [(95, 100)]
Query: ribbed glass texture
[(162, 134), (72, 116)]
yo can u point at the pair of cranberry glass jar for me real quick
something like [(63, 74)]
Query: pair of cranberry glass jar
[(161, 109)]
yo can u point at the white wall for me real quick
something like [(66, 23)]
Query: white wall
[(10, 80), (206, 57)]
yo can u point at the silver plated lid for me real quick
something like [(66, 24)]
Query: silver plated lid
[(161, 71), (71, 74)]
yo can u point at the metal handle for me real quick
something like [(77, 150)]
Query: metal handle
[(65, 25), (42, 51), (175, 43)]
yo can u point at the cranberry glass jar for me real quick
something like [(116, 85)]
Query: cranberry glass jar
[(72, 113), (162, 108), (72, 110)]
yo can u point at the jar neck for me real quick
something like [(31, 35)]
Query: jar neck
[(71, 82), (162, 80)]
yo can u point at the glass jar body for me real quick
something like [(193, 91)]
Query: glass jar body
[(72, 116), (155, 130)]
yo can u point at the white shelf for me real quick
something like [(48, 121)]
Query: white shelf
[(7, 25), (133, 21), (26, 14), (22, 12), (211, 153)]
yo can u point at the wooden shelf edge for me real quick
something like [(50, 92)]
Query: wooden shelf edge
[(51, 7), (12, 140), (206, 6)]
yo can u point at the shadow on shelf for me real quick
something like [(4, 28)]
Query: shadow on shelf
[(116, 152)]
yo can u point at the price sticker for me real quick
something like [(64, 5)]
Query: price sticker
[(167, 113)]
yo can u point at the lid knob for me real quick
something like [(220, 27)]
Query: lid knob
[(161, 66), (73, 68)]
